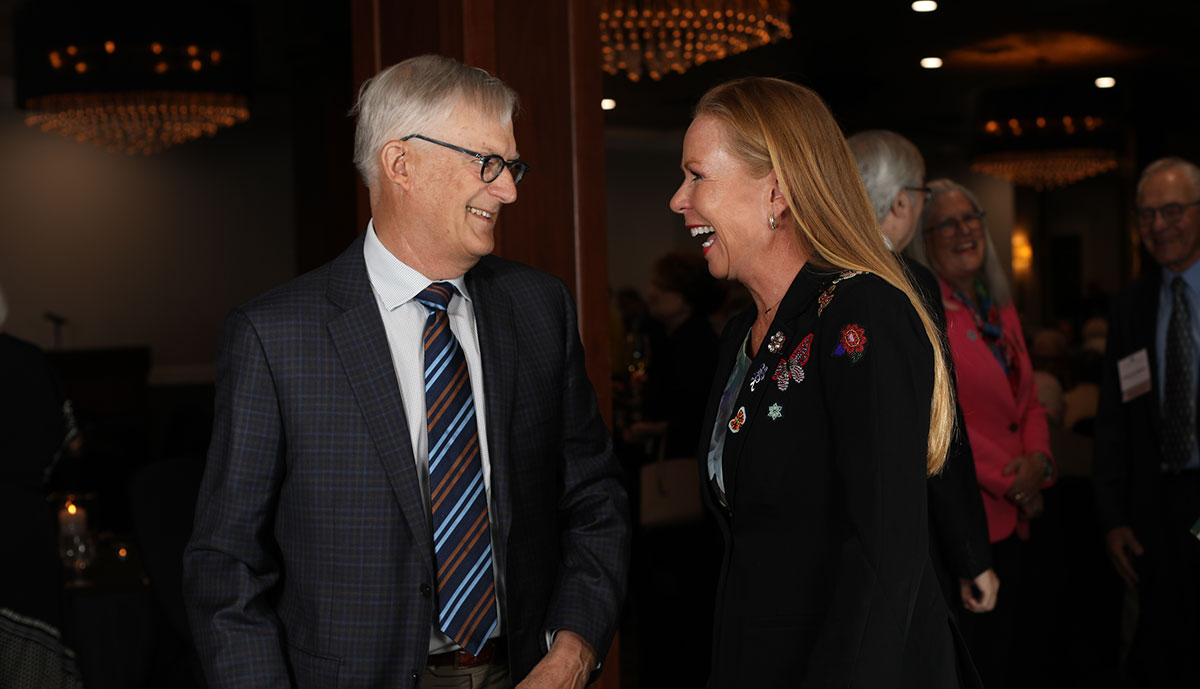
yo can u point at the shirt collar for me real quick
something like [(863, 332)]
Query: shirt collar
[(394, 281), (1190, 275)]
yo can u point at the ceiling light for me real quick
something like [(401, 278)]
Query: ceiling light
[(924, 6), (1105, 82), (608, 104), (931, 62)]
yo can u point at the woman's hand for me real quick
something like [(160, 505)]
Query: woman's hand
[(1028, 472)]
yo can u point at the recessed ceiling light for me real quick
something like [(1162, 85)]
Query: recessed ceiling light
[(931, 62), (608, 104), (1105, 83), (924, 6)]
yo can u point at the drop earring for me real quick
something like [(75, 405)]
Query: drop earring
[(771, 220)]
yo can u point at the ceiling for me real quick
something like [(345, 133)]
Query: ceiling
[(863, 58)]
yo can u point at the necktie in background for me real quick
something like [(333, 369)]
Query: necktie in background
[(461, 535), (1179, 414)]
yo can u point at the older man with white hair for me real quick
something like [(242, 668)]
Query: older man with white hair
[(1146, 473), (409, 481), (893, 173)]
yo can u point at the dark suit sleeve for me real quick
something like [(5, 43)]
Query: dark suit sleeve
[(230, 565), (593, 510), (879, 414), (955, 507), (1112, 458)]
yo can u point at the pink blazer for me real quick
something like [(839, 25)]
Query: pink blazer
[(1000, 426)]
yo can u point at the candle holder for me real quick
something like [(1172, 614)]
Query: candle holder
[(76, 547)]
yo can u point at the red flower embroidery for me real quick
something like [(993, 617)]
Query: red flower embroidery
[(854, 338)]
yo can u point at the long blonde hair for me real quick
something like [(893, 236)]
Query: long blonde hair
[(775, 125)]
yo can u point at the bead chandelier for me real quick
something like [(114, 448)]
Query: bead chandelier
[(654, 37), (1046, 167), (126, 85)]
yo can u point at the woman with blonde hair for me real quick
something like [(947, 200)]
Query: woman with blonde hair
[(830, 406)]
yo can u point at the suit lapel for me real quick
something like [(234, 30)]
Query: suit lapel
[(362, 346), (496, 329), (1147, 326)]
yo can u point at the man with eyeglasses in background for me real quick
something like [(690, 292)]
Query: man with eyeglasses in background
[(1146, 474), (409, 481), (893, 173)]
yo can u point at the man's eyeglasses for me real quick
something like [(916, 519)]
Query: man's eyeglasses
[(490, 165), (949, 226), (1171, 213), (926, 191)]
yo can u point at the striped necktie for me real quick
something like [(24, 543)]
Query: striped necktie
[(1179, 416), (462, 539)]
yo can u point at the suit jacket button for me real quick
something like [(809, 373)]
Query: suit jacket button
[(1012, 427), (425, 590), (416, 678)]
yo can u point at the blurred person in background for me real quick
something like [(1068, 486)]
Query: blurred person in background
[(36, 426), (893, 173), (1146, 473), (1006, 425)]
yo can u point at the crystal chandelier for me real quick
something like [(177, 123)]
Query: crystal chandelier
[(129, 81), (1046, 169), (1046, 152), (654, 37)]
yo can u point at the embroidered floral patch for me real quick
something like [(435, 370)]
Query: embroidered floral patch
[(735, 424), (776, 342), (758, 377), (853, 342), (775, 411), (791, 368), (827, 295)]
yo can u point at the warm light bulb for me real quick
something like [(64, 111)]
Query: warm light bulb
[(608, 104), (931, 62), (1105, 82), (924, 6), (70, 508)]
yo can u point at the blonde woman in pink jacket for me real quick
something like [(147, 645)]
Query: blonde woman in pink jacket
[(1006, 425)]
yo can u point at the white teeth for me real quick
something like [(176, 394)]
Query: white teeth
[(697, 231), (708, 242), (476, 211)]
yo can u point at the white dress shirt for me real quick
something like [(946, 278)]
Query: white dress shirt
[(396, 285)]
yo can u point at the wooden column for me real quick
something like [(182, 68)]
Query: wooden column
[(549, 52)]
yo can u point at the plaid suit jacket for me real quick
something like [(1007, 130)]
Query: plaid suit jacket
[(310, 562)]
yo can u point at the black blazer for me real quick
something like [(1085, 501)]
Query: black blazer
[(311, 562), (826, 579), (957, 521), (1127, 461)]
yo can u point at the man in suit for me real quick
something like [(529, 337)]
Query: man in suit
[(1146, 473), (893, 173), (409, 481)]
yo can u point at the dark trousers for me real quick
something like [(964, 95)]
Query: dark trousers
[(995, 638), (1166, 647)]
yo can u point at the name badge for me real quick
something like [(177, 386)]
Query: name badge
[(1134, 371)]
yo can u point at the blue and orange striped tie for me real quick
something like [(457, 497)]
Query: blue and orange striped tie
[(462, 539)]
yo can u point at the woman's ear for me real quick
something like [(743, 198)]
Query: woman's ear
[(776, 202)]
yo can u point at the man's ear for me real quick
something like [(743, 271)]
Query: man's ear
[(902, 206), (393, 165)]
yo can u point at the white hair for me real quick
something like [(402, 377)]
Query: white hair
[(1189, 170), (412, 95), (993, 272), (887, 162)]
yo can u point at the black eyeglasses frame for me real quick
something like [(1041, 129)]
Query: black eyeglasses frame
[(518, 167)]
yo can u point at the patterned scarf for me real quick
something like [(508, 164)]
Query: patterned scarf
[(987, 322)]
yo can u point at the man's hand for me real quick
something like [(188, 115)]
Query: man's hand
[(1120, 542), (988, 585), (566, 666)]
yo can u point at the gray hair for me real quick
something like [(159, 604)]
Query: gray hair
[(887, 162), (1189, 170), (411, 95), (993, 272)]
